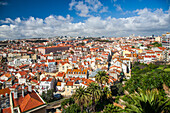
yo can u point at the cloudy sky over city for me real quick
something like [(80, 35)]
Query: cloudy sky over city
[(48, 18)]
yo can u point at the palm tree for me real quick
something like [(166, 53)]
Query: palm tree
[(146, 102), (81, 97), (107, 93), (95, 92), (101, 77)]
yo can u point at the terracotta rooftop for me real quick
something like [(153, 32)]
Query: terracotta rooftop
[(47, 79), (7, 75), (6, 110), (69, 83), (58, 83), (4, 91), (60, 74), (30, 101)]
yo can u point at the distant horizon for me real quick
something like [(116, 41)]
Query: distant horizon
[(93, 18), (1, 39)]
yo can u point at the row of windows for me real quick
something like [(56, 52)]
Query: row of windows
[(76, 72), (66, 67), (71, 90)]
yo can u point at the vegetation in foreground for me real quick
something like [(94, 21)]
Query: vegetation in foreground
[(145, 93)]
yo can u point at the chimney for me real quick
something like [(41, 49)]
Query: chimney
[(22, 91), (30, 88), (15, 94)]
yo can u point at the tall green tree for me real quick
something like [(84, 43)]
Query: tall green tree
[(96, 93), (146, 102), (81, 97), (101, 77)]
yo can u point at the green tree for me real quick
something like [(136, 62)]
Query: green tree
[(101, 77), (72, 52), (95, 92), (48, 97), (74, 108), (107, 94), (81, 97), (110, 108), (67, 102), (106, 97), (120, 88), (146, 102)]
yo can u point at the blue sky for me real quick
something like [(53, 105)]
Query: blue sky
[(45, 18)]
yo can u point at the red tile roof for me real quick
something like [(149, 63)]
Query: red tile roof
[(22, 73), (30, 101), (58, 83), (69, 83), (7, 75), (60, 74), (47, 79), (4, 91), (6, 110)]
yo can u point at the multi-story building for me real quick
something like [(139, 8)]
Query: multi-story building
[(46, 83), (81, 73), (54, 49), (166, 40)]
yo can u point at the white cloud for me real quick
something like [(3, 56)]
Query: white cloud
[(3, 3), (105, 9), (85, 7), (146, 22), (118, 7)]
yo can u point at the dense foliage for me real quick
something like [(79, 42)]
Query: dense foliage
[(110, 108), (91, 99), (156, 44), (145, 92), (146, 101), (147, 77), (48, 96)]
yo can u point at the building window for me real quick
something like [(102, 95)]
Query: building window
[(71, 86), (67, 86), (67, 89)]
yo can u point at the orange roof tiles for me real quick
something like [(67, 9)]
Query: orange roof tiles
[(22, 73), (76, 71), (30, 101), (7, 75), (4, 91), (60, 74), (47, 79), (7, 110), (69, 83), (58, 83)]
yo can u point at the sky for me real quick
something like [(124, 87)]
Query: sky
[(112, 18)]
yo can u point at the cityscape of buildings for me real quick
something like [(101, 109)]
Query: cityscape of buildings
[(85, 56), (30, 67)]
